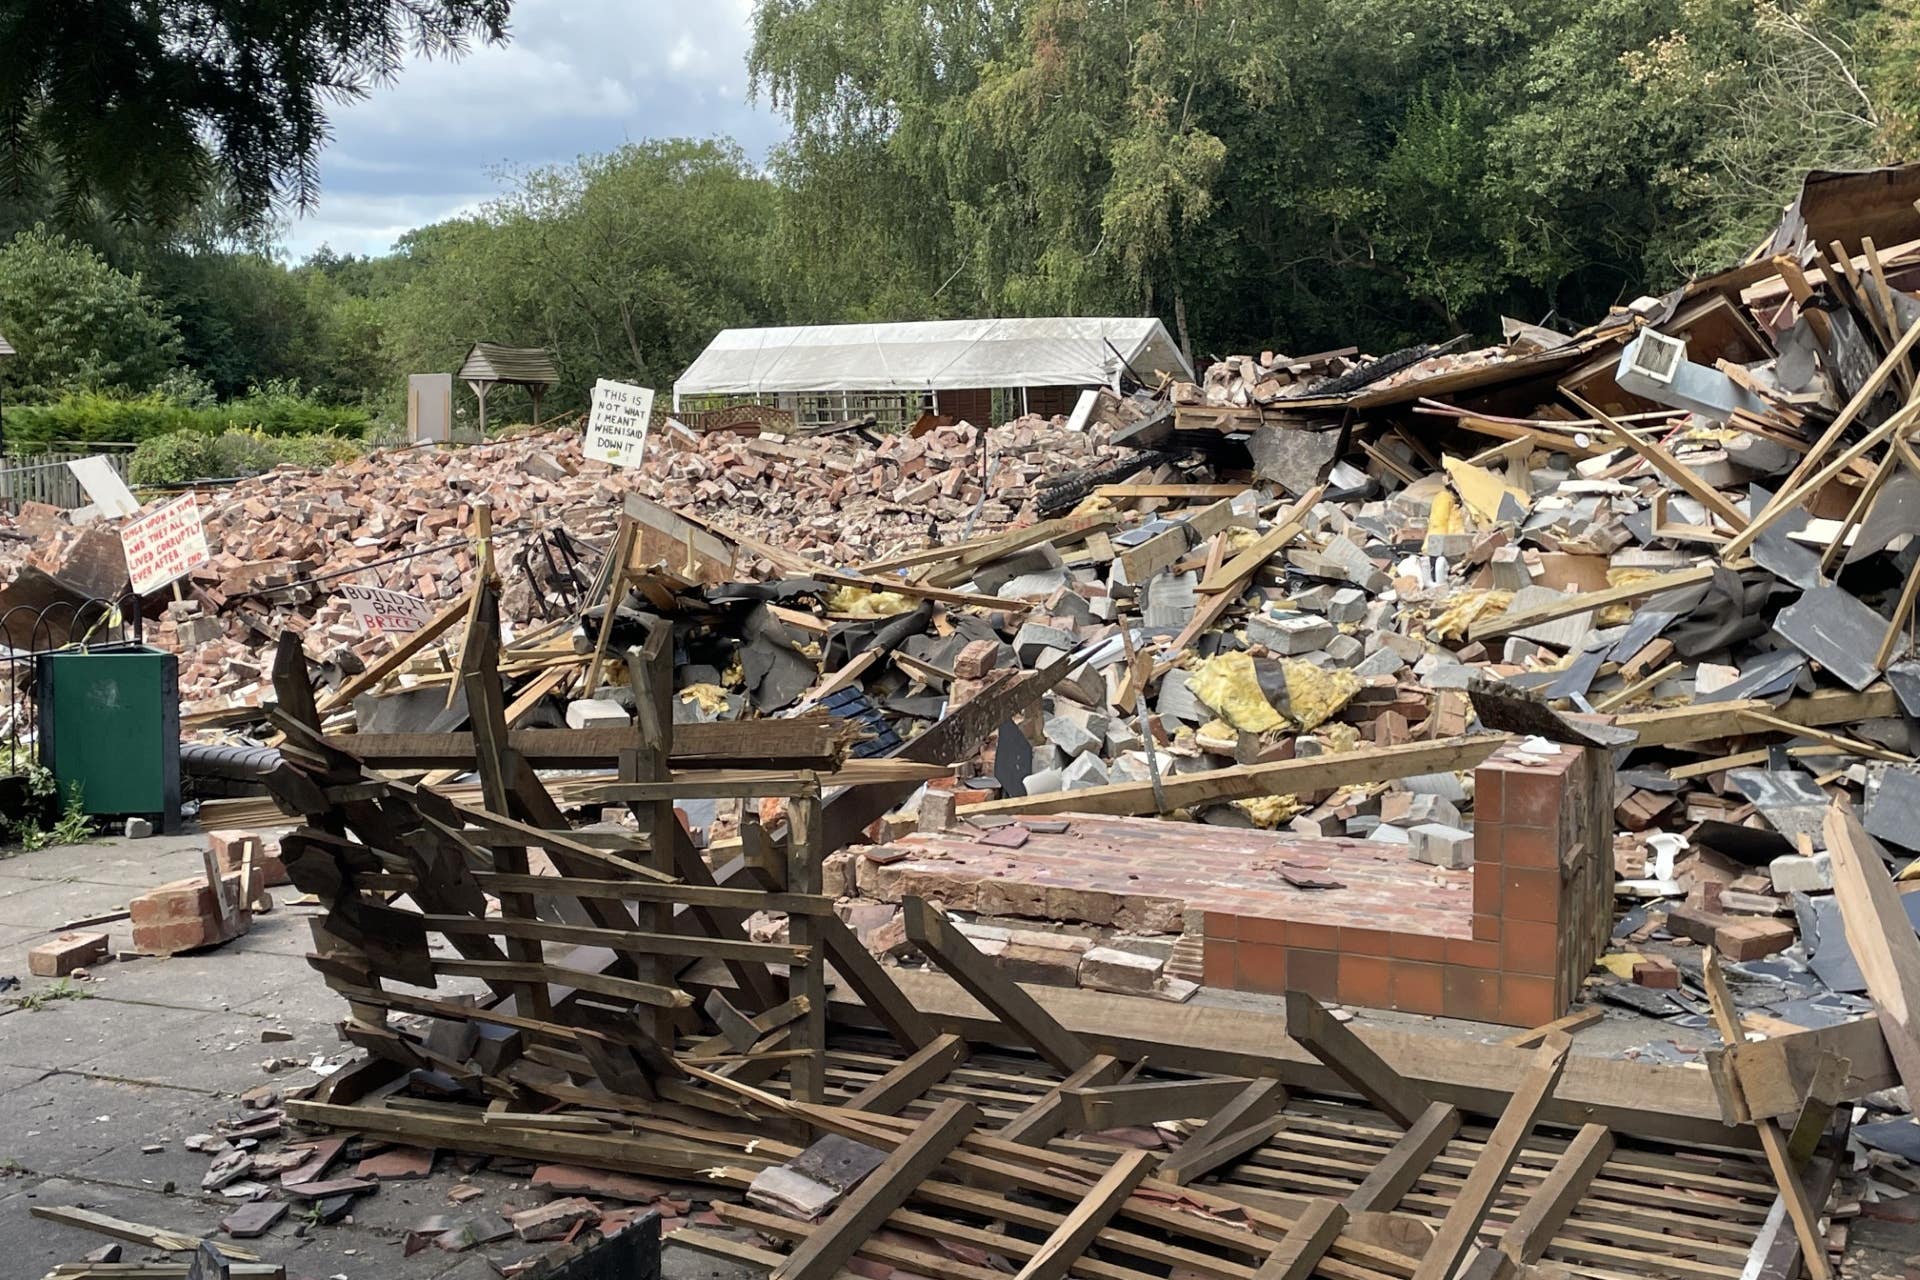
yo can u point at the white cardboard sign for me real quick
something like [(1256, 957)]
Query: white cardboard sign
[(104, 486), (617, 427), (383, 612), (168, 544)]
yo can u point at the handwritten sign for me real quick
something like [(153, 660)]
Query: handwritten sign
[(617, 427), (168, 544), (383, 612)]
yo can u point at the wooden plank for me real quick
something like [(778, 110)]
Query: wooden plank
[(927, 1067), (539, 976), (1672, 726), (1123, 1105), (648, 944), (1776, 1073), (994, 545), (399, 655), (1206, 1148), (805, 852), (1582, 602), (135, 1232), (1061, 531), (1800, 1209), (1194, 492), (1088, 1218), (856, 967), (1317, 773), (1461, 1227), (647, 891), (1663, 1103), (1663, 462), (1529, 1236), (1816, 1112), (1156, 553), (1882, 939), (1791, 498), (1048, 1117), (1577, 1021), (905, 588), (1298, 1255), (1314, 1029), (816, 742), (884, 1190), (1396, 1172), (1287, 526), (930, 930)]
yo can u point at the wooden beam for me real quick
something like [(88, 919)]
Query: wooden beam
[(399, 655), (1529, 1236), (876, 988), (1801, 1211), (1577, 1021), (1461, 1227), (806, 742), (1208, 1147), (1287, 526), (1317, 773), (1161, 550), (1672, 726), (934, 934), (1816, 1112), (1775, 1074), (1314, 1029), (1663, 462), (1047, 1117), (884, 1190), (1088, 1218), (1511, 621), (890, 1094), (1298, 1254), (1882, 939), (1395, 1173), (1792, 497), (1123, 1105)]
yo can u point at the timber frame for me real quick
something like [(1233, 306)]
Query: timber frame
[(613, 1011)]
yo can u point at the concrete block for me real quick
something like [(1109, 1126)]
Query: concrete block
[(596, 713), (1347, 605), (1345, 651), (1072, 735), (1795, 874), (1046, 782), (1111, 969), (1381, 662), (1441, 845), (1033, 639), (1290, 634), (1087, 771)]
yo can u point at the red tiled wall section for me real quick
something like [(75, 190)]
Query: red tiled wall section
[(1541, 906)]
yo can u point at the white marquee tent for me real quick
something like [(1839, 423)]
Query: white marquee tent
[(935, 355)]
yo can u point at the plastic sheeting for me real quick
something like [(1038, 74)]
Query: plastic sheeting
[(939, 355)]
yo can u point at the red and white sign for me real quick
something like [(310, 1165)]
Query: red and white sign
[(168, 544), (383, 612)]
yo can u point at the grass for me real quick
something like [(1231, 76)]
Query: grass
[(34, 1001)]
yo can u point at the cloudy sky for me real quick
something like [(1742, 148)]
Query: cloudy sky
[(578, 76)]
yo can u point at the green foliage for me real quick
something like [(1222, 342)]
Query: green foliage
[(183, 456), (96, 418), (74, 826), (53, 993), (145, 109), (77, 323), (622, 265)]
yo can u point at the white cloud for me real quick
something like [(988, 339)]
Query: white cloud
[(578, 76)]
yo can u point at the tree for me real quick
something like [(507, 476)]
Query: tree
[(77, 323), (623, 265), (146, 109)]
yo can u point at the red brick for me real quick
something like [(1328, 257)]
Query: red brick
[(1419, 988), (1658, 973), (1489, 844), (180, 935), (1221, 924), (1366, 981), (1217, 959), (1472, 953), (1486, 928), (1530, 846), (62, 955), (975, 659), (1318, 937), (1527, 1001), (1529, 947), (1531, 894), (1426, 947), (1486, 890), (1366, 942), (1261, 968), (1532, 800), (1472, 994), (1489, 793), (1752, 939), (1315, 972), (1264, 930)]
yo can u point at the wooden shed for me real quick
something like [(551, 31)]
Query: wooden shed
[(489, 365)]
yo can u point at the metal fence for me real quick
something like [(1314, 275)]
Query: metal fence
[(45, 477)]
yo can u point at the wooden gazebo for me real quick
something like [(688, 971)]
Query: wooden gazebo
[(489, 365)]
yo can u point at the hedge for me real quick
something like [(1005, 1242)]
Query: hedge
[(181, 456), (92, 418)]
